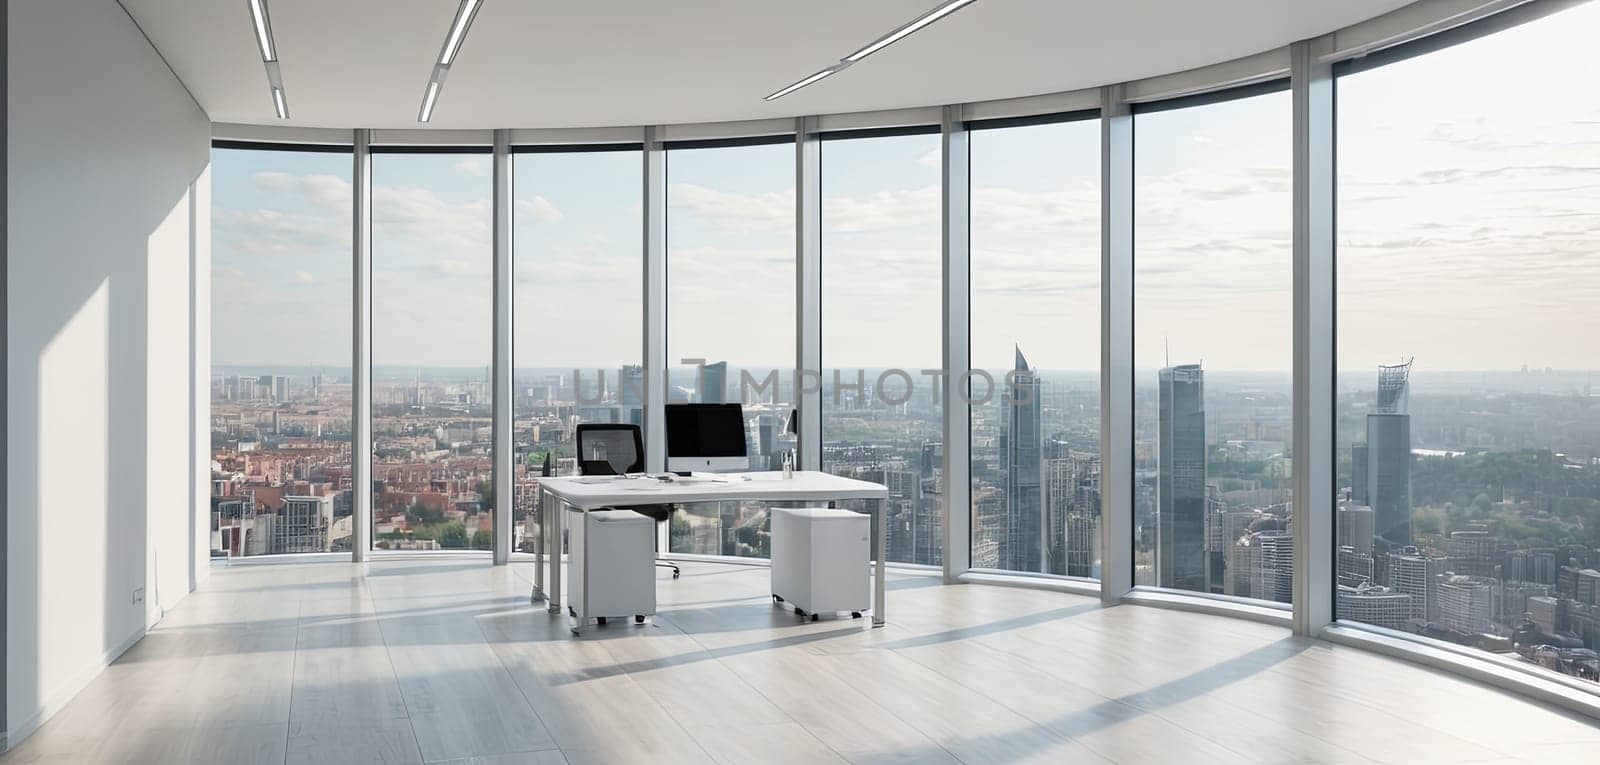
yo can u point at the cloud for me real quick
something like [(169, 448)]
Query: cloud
[(266, 232), (458, 267), (302, 277), (325, 191), (771, 211), (931, 159), (539, 210), (478, 167)]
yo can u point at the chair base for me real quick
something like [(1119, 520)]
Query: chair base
[(676, 572)]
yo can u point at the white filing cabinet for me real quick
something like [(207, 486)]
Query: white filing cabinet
[(819, 559), (611, 565)]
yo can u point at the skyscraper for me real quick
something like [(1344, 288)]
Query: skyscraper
[(1417, 574), (714, 383), (1181, 479), (1387, 480), (1023, 534), (1356, 528), (630, 393)]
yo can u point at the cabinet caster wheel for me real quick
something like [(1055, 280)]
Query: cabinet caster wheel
[(638, 618), (601, 620), (815, 617), (855, 614)]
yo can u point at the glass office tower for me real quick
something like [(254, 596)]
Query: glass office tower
[(1022, 547), (1181, 560)]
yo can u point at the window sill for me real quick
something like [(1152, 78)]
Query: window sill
[(1031, 581), (1525, 679), (1265, 613)]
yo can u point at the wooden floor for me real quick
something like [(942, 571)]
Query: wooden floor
[(445, 660)]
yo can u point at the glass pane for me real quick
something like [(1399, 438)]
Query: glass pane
[(579, 331), (280, 352), (730, 303), (432, 346), (881, 318), (1212, 348), (1036, 324), (1468, 412)]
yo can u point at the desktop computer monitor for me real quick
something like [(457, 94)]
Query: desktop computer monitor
[(705, 437)]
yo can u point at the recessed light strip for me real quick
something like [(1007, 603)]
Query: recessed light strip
[(905, 31), (428, 100), (949, 7), (258, 15), (807, 81), (467, 11), (458, 31), (269, 55)]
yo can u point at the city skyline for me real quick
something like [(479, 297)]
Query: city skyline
[(1467, 482)]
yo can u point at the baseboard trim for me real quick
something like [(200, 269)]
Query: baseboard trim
[(60, 699)]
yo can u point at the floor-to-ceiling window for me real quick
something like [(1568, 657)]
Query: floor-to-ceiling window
[(731, 305), (1468, 438), (1035, 331), (280, 351), (432, 338), (1212, 346), (881, 319), (579, 334)]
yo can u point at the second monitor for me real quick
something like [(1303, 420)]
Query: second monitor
[(705, 437)]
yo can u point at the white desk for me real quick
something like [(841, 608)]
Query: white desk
[(593, 493)]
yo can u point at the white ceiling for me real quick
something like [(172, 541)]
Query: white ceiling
[(567, 63)]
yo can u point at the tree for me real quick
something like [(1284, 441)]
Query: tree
[(420, 514), (482, 540), (454, 534), (486, 494)]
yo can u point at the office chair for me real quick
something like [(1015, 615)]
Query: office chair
[(601, 446)]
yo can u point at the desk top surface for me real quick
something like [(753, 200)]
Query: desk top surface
[(589, 492)]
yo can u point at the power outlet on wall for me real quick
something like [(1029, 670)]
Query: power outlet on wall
[(138, 596)]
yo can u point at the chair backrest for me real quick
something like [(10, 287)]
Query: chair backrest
[(602, 444)]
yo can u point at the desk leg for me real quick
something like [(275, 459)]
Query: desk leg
[(880, 555), (538, 548), (553, 523)]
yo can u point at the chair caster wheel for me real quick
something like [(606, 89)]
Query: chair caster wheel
[(572, 612), (638, 618), (601, 620), (676, 573), (777, 598), (855, 614), (798, 612), (815, 617)]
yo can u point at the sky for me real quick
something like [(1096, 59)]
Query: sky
[(1468, 237)]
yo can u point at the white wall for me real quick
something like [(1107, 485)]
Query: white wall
[(108, 201)]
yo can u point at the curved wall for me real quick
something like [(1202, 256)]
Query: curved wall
[(1159, 182)]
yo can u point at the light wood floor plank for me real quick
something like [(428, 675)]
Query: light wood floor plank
[(444, 660)]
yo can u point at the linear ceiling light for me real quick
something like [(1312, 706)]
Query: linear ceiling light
[(258, 14), (807, 81), (905, 31), (269, 55), (458, 31), (949, 7), (428, 100), (447, 55)]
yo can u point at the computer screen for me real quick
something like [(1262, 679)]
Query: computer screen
[(705, 430)]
